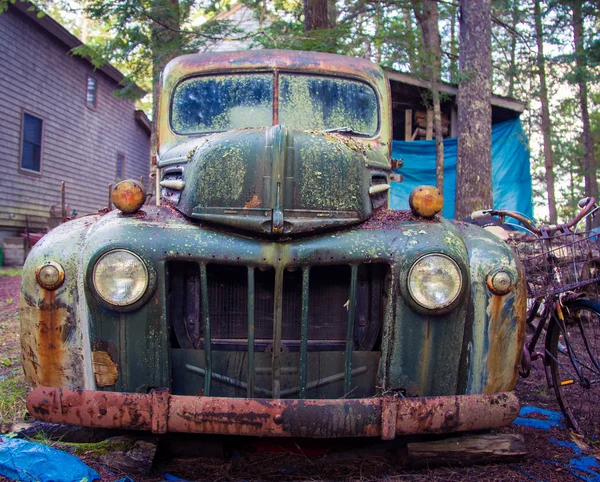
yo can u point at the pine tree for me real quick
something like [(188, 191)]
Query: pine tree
[(473, 170)]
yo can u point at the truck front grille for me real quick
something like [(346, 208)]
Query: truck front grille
[(273, 322)]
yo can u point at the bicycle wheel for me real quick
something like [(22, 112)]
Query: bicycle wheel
[(573, 352)]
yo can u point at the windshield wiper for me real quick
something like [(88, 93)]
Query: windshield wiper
[(346, 130)]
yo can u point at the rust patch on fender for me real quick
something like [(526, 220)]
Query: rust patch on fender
[(497, 344), (50, 351), (106, 371), (253, 203), (505, 342)]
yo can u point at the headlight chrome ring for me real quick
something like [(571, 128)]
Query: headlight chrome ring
[(120, 277), (50, 275), (500, 282), (434, 281)]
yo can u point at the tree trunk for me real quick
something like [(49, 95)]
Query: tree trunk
[(546, 124), (589, 163), (318, 14), (427, 15), (512, 69), (474, 163)]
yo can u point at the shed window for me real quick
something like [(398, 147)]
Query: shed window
[(120, 167), (91, 92), (31, 149)]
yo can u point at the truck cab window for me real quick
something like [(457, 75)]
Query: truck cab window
[(221, 103), (325, 103)]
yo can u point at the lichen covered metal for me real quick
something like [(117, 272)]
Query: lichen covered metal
[(290, 174)]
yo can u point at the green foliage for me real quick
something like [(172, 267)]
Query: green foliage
[(514, 28), (140, 36), (4, 5)]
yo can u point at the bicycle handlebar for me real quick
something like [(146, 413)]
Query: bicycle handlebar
[(586, 205)]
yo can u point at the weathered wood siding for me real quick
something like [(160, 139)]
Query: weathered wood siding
[(79, 146), (244, 20)]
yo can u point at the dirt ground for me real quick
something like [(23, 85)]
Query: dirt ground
[(555, 454)]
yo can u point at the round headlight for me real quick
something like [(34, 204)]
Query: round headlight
[(120, 277), (434, 281)]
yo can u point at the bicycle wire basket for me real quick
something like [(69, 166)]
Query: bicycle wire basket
[(563, 262)]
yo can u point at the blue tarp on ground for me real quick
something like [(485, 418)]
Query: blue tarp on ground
[(511, 178), (35, 462)]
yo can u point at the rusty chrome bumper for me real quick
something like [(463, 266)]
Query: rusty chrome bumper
[(384, 417)]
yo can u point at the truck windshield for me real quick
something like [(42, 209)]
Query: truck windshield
[(222, 103), (306, 102), (325, 103)]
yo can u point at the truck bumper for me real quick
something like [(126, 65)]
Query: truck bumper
[(385, 417)]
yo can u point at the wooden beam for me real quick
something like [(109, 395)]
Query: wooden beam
[(467, 450), (454, 122), (496, 100), (429, 131), (408, 125)]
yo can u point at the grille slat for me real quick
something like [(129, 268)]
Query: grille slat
[(304, 329), (251, 296), (350, 329), (277, 332), (206, 317)]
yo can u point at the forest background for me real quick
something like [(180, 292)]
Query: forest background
[(546, 53)]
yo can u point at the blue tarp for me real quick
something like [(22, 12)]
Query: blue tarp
[(35, 462), (511, 178)]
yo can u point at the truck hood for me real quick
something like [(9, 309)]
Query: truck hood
[(272, 180)]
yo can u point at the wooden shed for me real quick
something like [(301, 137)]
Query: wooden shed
[(412, 112)]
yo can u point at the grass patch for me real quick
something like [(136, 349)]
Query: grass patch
[(13, 388), (13, 391), (94, 449), (10, 271), (98, 448)]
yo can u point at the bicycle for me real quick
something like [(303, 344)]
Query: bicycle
[(561, 274)]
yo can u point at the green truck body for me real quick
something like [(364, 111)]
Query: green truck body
[(272, 292)]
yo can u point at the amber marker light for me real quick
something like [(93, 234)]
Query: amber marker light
[(128, 196), (426, 201), (50, 275)]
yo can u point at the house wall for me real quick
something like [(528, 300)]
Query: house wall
[(243, 19), (79, 145)]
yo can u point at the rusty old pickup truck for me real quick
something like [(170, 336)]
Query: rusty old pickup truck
[(270, 291)]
